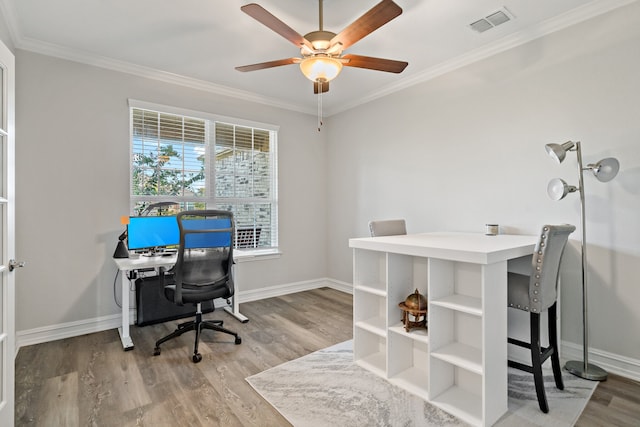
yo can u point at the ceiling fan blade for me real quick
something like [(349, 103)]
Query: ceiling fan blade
[(263, 16), (378, 64), (269, 64), (316, 87), (375, 18)]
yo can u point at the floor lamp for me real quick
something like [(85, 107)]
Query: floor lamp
[(605, 170)]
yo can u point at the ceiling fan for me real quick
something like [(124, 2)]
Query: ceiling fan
[(321, 51)]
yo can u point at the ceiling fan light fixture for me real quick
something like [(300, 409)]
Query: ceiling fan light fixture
[(320, 68)]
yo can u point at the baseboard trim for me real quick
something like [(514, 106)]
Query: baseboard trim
[(279, 290), (610, 362), (67, 330), (113, 321)]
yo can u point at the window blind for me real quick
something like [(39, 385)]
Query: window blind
[(202, 163)]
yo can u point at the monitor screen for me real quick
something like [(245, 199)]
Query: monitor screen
[(145, 232)]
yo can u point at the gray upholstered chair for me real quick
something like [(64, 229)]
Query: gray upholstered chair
[(387, 227), (536, 293)]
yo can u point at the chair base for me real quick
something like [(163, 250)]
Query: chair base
[(540, 354), (196, 325)]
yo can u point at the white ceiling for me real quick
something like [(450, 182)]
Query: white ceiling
[(199, 42)]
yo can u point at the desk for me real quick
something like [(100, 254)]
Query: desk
[(460, 363), (125, 265)]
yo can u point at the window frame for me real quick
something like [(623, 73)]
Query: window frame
[(210, 198)]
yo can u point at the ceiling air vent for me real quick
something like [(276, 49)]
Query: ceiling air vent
[(492, 20)]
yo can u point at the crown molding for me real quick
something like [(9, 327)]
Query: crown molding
[(552, 25), (83, 57)]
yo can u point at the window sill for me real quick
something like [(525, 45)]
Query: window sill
[(244, 255)]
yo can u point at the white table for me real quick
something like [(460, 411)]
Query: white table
[(460, 363), (125, 265)]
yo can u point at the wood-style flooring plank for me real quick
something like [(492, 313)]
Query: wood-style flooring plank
[(615, 402), (60, 397)]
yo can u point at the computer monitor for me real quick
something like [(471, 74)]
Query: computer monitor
[(146, 232)]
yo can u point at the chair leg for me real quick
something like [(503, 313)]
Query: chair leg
[(215, 326), (536, 362), (181, 329), (553, 343)]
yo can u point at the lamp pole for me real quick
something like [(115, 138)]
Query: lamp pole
[(584, 369)]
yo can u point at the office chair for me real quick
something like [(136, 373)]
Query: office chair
[(203, 270), (387, 227), (536, 293)]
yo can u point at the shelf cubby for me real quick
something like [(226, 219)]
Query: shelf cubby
[(370, 270), (456, 390), (408, 363), (456, 285), (456, 337), (370, 351), (371, 314)]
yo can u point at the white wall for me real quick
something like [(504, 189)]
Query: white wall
[(4, 33), (467, 148), (72, 179)]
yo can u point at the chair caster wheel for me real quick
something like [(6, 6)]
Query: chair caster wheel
[(238, 340), (156, 351), (196, 358)]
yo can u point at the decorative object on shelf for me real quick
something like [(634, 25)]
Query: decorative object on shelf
[(415, 305), (604, 170)]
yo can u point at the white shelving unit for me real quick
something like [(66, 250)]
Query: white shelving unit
[(460, 363)]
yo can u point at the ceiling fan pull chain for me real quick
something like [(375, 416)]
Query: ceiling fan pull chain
[(319, 104)]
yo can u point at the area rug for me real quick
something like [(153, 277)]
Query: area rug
[(327, 388)]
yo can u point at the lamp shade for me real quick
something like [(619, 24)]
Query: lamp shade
[(606, 169), (557, 151), (558, 189), (320, 68)]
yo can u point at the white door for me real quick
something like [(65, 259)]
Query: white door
[(7, 237)]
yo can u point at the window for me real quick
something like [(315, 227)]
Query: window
[(202, 161)]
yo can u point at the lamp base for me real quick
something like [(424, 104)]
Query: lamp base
[(121, 250), (592, 372)]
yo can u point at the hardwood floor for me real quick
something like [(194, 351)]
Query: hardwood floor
[(615, 402), (90, 381)]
